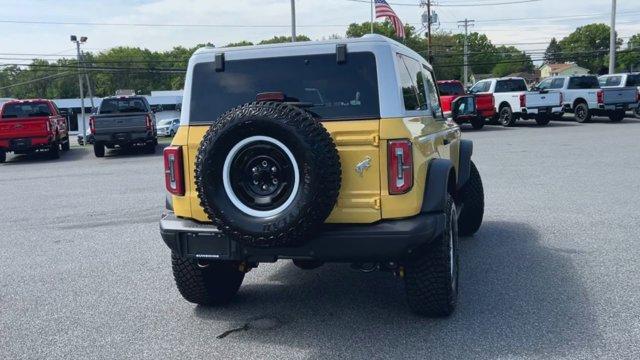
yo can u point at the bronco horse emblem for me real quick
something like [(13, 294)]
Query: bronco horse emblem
[(363, 165)]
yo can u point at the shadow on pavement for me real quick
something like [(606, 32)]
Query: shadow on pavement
[(39, 157), (518, 298), (137, 151)]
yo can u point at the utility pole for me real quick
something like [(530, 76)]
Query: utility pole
[(293, 20), (82, 40), (371, 13), (612, 39), (89, 87), (466, 23), (428, 4)]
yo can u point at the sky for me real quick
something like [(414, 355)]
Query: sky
[(528, 25)]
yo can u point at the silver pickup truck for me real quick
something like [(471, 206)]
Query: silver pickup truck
[(123, 122), (618, 81)]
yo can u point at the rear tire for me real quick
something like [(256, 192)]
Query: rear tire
[(66, 145), (543, 120), (472, 198), (506, 116), (617, 116), (3, 156), (581, 113), (431, 279), (98, 149), (215, 283), (477, 123), (54, 150)]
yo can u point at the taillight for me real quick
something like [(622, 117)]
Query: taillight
[(48, 126), (638, 98), (148, 119), (600, 97), (493, 101), (173, 170), (400, 166), (523, 100), (92, 124)]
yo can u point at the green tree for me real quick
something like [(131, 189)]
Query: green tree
[(284, 39), (511, 60), (588, 46), (629, 60), (553, 54), (240, 43)]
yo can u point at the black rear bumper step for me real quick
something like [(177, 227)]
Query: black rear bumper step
[(388, 240)]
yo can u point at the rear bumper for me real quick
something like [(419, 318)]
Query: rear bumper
[(542, 110), (125, 138), (617, 107), (390, 240), (25, 144)]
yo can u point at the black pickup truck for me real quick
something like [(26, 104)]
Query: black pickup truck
[(124, 122)]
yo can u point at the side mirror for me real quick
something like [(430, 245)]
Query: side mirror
[(464, 108)]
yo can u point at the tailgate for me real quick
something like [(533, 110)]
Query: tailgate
[(23, 128), (107, 124), (626, 95), (484, 102), (543, 100)]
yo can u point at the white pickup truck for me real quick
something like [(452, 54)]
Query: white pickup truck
[(584, 98), (513, 101), (621, 81)]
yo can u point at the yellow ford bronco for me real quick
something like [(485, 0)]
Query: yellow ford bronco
[(318, 152)]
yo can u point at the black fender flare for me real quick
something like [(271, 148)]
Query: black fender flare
[(464, 162), (441, 180)]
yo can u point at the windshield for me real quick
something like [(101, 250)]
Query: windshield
[(25, 110), (452, 88), (165, 122), (327, 88), (124, 105), (481, 87)]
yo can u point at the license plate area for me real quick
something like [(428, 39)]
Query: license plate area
[(207, 246), (20, 143), (121, 137)]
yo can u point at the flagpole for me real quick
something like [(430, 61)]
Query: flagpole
[(371, 13)]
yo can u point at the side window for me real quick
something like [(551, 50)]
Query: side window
[(433, 100), (546, 84), (613, 81), (557, 83), (412, 80)]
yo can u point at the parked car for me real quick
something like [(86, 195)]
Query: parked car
[(513, 101), (583, 97), (452, 89), (90, 138), (621, 81), (264, 172), (125, 122), (168, 127), (27, 126)]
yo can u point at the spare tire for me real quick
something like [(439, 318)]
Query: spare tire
[(267, 174)]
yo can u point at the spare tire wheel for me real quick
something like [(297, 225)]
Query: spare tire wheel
[(267, 174)]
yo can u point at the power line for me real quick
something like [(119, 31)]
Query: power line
[(66, 73)]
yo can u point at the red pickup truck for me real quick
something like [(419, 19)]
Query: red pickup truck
[(27, 126), (452, 89)]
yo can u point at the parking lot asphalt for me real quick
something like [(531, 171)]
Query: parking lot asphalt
[(552, 273)]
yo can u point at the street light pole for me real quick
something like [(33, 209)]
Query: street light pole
[(293, 20), (84, 126), (612, 39)]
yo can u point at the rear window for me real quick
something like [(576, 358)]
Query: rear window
[(610, 80), (123, 105), (452, 88), (511, 85), (633, 80), (25, 110), (583, 82), (330, 90)]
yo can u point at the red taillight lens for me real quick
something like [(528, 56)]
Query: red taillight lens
[(92, 124), (148, 119), (523, 100), (600, 97), (400, 166), (493, 101), (173, 170)]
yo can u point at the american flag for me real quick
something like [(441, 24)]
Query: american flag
[(384, 10)]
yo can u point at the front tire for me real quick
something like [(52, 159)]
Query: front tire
[(581, 113), (213, 283), (98, 149), (472, 199), (431, 279), (506, 116)]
